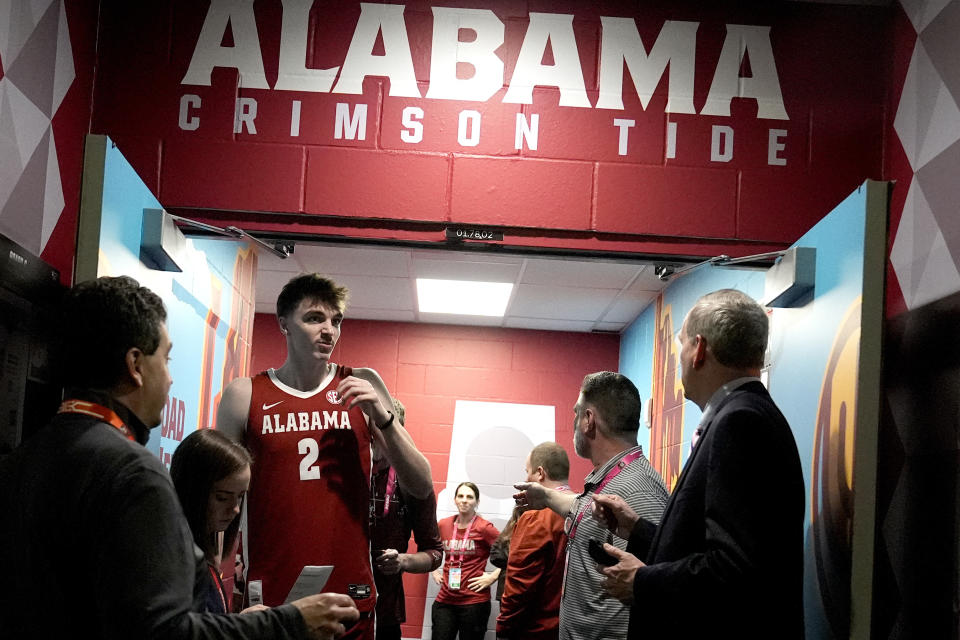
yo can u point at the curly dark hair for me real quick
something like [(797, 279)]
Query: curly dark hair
[(311, 286), (100, 321)]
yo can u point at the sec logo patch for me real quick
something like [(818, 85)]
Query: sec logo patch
[(333, 397)]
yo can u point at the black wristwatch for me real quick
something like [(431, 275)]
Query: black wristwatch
[(389, 423)]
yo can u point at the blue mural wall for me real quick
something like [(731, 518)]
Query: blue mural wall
[(210, 305), (812, 375)]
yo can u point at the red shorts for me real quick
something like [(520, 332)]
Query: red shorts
[(362, 629)]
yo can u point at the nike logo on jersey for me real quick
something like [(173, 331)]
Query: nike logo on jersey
[(267, 407)]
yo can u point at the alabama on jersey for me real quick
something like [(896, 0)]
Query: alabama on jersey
[(309, 495)]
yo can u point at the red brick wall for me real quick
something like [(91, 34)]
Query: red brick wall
[(429, 367), (573, 191)]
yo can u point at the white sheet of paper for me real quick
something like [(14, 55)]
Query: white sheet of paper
[(312, 580)]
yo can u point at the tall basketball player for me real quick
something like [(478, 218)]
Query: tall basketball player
[(310, 426)]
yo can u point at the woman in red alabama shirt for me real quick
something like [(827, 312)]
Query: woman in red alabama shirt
[(463, 604)]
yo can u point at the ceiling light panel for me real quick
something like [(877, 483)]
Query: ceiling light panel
[(463, 297)]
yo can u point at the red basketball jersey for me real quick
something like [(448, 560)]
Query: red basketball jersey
[(309, 495)]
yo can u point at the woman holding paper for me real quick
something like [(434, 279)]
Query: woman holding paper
[(463, 604), (211, 474)]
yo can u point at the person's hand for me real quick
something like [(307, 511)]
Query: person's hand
[(481, 582), (325, 614), (614, 513), (531, 495), (619, 581), (356, 391), (256, 607), (389, 562), (437, 576)]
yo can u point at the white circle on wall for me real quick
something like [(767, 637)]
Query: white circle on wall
[(495, 459)]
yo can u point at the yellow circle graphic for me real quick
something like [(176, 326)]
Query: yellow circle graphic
[(831, 500)]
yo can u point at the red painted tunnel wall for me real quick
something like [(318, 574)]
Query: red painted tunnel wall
[(574, 190)]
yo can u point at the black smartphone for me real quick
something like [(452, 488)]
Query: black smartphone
[(601, 557)]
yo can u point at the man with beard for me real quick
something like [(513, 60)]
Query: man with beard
[(606, 420)]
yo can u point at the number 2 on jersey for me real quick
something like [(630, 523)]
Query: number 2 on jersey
[(310, 450)]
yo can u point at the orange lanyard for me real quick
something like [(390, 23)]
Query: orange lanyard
[(97, 411), (219, 586)]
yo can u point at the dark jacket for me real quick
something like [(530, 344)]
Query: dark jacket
[(94, 544), (499, 553), (727, 557), (391, 530)]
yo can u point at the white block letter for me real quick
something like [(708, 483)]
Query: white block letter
[(244, 55), (565, 73), (413, 132), (625, 126), (763, 86), (447, 51), (244, 114), (528, 132), (293, 74), (671, 140), (295, 118), (721, 143), (396, 63), (620, 43), (471, 118), (355, 127), (774, 146), (187, 122)]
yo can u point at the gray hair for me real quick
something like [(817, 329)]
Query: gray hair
[(734, 326)]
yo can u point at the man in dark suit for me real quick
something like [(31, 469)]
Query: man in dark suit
[(727, 556)]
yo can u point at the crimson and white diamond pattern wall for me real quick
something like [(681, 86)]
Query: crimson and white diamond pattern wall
[(926, 251), (36, 70)]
